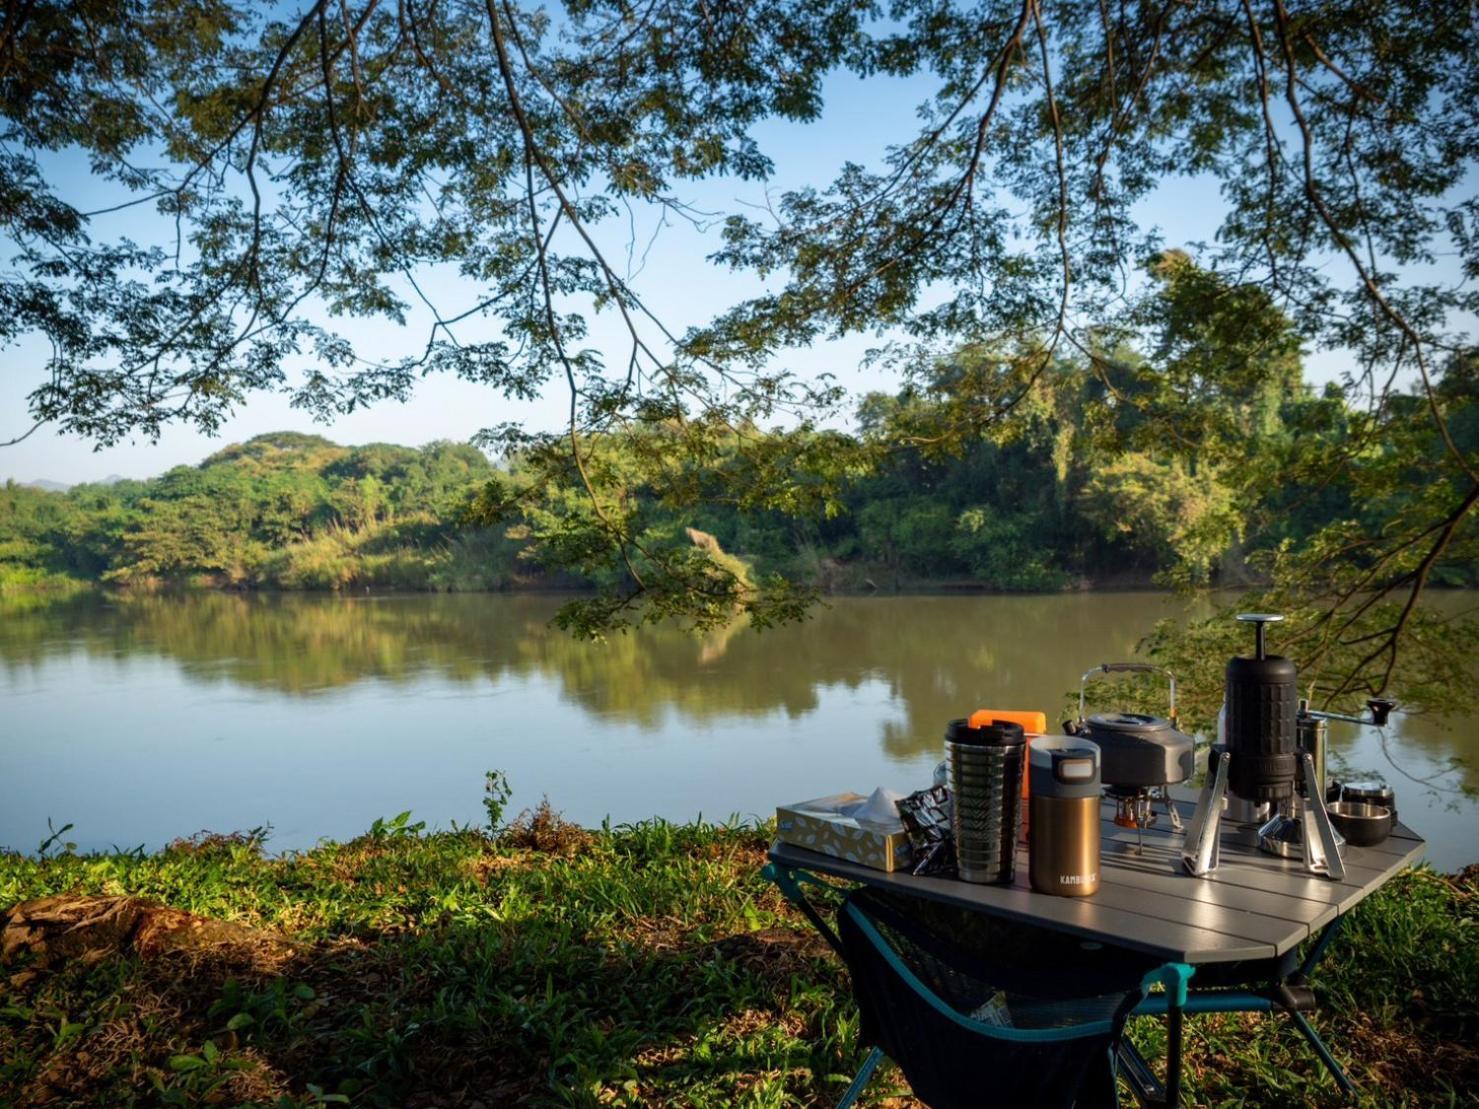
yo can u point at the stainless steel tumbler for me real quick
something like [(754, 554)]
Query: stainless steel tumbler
[(986, 767)]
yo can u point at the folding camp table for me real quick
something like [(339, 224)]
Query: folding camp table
[(1240, 927)]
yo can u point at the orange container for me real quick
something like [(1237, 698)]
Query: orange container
[(1033, 723)]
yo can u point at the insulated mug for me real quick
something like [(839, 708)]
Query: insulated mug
[(1063, 847)]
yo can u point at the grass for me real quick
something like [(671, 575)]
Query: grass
[(628, 966), (43, 586)]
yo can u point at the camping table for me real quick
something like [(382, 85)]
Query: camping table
[(1254, 910)]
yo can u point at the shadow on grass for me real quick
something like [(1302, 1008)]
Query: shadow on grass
[(530, 1000)]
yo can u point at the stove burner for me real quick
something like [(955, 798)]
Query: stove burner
[(1135, 808)]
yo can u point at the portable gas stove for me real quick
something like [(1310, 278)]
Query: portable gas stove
[(1141, 756)]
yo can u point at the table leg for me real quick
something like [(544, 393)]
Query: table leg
[(789, 882), (1136, 1071), (1173, 1055), (1300, 976), (861, 1080), (1313, 1038)]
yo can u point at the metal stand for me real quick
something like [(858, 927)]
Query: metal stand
[(1200, 854), (1135, 808), (1163, 794), (1305, 830)]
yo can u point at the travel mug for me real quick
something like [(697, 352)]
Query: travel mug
[(986, 768), (1063, 850)]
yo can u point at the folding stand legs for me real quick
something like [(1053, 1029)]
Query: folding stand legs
[(789, 883), (1299, 978), (1200, 854), (1143, 1082), (1307, 821), (1173, 1056), (1321, 848), (1291, 997)]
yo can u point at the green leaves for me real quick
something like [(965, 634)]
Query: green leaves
[(1192, 517), (397, 827), (496, 792), (313, 166)]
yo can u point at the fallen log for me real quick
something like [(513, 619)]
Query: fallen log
[(87, 928)]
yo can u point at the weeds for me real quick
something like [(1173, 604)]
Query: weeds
[(51, 840), (496, 792), (543, 830), (206, 842)]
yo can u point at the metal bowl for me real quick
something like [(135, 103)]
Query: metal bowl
[(1362, 825), (1369, 793)]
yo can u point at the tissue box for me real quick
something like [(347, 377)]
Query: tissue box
[(824, 826)]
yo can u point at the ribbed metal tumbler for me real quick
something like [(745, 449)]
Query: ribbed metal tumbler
[(986, 767)]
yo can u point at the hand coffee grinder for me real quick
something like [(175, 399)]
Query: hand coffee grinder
[(1264, 763)]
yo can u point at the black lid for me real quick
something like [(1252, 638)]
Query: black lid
[(998, 733), (1132, 723)]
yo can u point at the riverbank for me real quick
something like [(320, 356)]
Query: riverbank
[(552, 964), (860, 580)]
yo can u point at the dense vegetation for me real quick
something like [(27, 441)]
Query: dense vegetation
[(283, 510), (552, 965), (1076, 491)]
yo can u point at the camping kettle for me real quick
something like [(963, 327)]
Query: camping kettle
[(1063, 845)]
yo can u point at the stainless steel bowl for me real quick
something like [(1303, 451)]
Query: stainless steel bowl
[(1362, 825), (1369, 793)]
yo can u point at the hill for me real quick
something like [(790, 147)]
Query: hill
[(282, 510)]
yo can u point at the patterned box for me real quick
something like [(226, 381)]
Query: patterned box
[(826, 825)]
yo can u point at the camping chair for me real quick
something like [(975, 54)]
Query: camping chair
[(975, 1014)]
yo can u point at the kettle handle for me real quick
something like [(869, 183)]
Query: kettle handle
[(1127, 668)]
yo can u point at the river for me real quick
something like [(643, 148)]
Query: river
[(143, 719)]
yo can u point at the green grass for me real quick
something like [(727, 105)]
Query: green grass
[(42, 585), (638, 965)]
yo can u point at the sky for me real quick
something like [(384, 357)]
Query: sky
[(860, 118)]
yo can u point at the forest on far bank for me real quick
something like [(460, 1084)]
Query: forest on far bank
[(1065, 500)]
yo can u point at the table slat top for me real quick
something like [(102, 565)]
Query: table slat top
[(1254, 906)]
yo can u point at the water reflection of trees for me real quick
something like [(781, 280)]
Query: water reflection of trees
[(937, 656)]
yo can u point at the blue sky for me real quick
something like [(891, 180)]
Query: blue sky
[(860, 119)]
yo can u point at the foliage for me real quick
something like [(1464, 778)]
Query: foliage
[(308, 164), (496, 793), (1346, 558), (653, 965), (1090, 486), (281, 510), (1161, 504)]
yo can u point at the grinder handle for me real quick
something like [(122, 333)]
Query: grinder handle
[(1127, 668)]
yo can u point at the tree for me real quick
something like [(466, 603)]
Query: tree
[(322, 159)]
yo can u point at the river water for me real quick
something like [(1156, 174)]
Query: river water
[(140, 720)]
